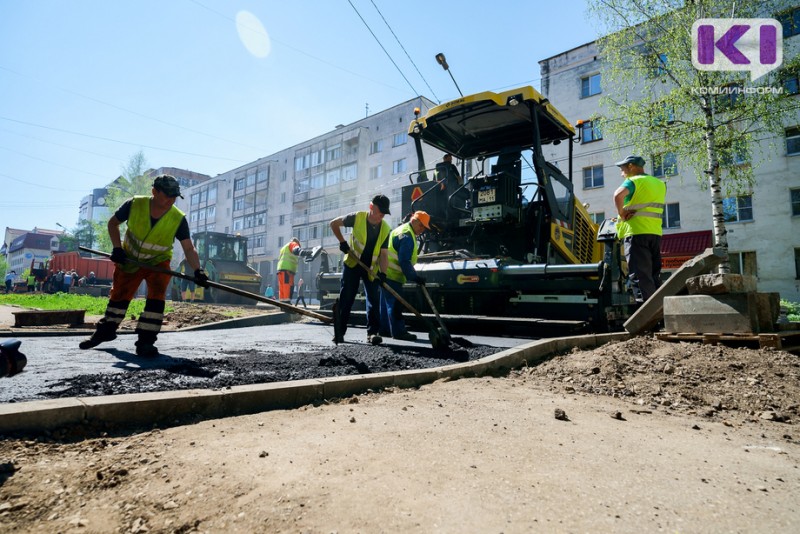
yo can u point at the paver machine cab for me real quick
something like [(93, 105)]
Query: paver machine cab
[(224, 258), (512, 240)]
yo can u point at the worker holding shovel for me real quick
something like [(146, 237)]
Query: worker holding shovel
[(153, 224), (368, 245), (403, 249)]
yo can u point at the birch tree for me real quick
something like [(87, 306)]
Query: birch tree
[(717, 123)]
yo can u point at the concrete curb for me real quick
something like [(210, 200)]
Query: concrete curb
[(266, 319), (168, 408)]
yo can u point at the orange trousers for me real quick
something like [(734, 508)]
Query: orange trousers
[(285, 285)]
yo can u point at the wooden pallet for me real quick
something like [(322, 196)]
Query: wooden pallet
[(787, 340)]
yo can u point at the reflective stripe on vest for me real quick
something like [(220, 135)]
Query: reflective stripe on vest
[(146, 243), (358, 240), (394, 271), (287, 261), (648, 203)]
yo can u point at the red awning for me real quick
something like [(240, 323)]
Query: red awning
[(685, 244)]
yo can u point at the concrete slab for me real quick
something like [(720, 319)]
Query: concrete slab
[(651, 312), (720, 283), (725, 314)]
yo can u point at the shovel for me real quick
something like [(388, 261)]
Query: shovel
[(435, 337), (443, 329), (223, 287)]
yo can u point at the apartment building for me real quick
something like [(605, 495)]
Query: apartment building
[(763, 225), (296, 191)]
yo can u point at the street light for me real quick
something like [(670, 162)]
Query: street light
[(441, 60)]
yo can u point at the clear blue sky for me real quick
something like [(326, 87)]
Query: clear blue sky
[(85, 84)]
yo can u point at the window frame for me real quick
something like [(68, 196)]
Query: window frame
[(792, 136), (658, 166), (593, 178), (589, 88), (669, 220), (739, 208), (794, 202), (593, 129)]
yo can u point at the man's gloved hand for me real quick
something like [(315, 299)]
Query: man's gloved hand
[(420, 281), (118, 255), (344, 247), (382, 277), (201, 278)]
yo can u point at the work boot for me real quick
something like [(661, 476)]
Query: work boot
[(374, 339), (338, 339), (146, 350), (98, 337), (406, 336)]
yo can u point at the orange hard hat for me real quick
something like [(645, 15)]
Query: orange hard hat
[(423, 217)]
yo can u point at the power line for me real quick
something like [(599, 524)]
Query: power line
[(34, 184), (404, 50), (120, 108), (118, 141), (382, 47)]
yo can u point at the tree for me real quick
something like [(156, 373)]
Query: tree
[(84, 233), (133, 181), (715, 122)]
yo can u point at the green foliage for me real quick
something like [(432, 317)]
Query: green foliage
[(660, 102), (3, 265), (656, 102), (132, 182), (68, 301), (792, 310)]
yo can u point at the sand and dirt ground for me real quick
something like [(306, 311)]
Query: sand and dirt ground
[(637, 436)]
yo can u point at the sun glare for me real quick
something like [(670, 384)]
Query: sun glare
[(252, 34)]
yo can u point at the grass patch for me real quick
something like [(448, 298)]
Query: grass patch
[(68, 301)]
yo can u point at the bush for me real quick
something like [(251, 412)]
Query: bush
[(792, 310)]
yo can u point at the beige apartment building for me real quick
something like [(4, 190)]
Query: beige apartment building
[(295, 192), (763, 225)]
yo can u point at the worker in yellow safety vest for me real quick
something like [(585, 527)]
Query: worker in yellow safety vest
[(640, 204), (369, 243), (287, 268)]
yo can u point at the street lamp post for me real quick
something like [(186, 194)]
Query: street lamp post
[(441, 60)]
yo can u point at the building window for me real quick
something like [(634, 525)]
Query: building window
[(665, 165), (195, 199), (375, 172), (790, 20), (797, 264), (251, 178), (590, 131), (238, 224), (789, 78), (238, 204), (598, 217), (283, 176), (660, 65), (283, 198), (590, 85), (281, 220), (743, 263), (736, 155), (671, 218), (349, 172), (738, 209), (593, 177), (280, 242), (399, 166), (400, 139), (795, 201), (317, 181), (239, 184), (376, 146), (334, 152), (261, 175), (793, 141), (332, 177)]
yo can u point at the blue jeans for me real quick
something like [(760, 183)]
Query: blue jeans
[(391, 311), (351, 276)]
